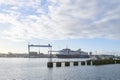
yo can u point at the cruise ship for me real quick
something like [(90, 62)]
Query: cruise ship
[(68, 53)]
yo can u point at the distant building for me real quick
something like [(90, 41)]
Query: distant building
[(102, 56), (33, 54), (39, 55)]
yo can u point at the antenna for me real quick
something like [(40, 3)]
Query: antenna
[(39, 49)]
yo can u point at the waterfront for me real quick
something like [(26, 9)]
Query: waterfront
[(36, 69)]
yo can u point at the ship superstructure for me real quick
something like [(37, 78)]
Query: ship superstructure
[(68, 53)]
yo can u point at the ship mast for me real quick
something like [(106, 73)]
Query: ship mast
[(67, 49)]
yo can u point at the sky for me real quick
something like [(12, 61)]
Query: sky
[(92, 25)]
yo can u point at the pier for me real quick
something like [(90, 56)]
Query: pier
[(67, 63), (83, 63)]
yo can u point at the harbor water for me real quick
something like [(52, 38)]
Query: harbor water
[(36, 69)]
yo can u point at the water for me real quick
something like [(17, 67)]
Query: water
[(36, 69)]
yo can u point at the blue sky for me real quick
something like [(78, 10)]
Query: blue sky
[(92, 25)]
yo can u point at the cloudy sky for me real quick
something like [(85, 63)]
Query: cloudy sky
[(88, 24)]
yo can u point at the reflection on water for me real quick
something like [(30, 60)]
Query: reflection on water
[(36, 69)]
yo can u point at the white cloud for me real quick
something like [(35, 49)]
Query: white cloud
[(61, 19), (21, 3)]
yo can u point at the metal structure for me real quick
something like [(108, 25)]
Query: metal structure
[(47, 46)]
